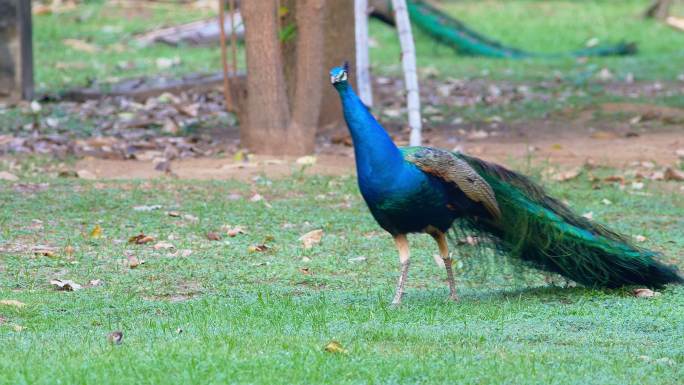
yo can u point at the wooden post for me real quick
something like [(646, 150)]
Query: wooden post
[(408, 60), (16, 52), (362, 60)]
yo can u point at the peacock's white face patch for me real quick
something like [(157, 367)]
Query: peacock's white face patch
[(338, 75)]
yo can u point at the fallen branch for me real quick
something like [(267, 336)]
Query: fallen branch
[(143, 88), (200, 32)]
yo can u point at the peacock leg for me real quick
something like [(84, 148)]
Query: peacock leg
[(444, 253), (403, 246)]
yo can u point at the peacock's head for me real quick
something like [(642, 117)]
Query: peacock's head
[(339, 75)]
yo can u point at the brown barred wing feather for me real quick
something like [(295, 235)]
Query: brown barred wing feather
[(451, 169)]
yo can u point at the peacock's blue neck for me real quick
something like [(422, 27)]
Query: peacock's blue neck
[(377, 158)]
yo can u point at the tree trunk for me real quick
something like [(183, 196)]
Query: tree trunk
[(16, 55), (339, 47), (659, 9), (309, 78), (267, 110), (285, 74)]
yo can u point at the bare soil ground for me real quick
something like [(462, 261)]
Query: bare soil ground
[(193, 137), (564, 144)]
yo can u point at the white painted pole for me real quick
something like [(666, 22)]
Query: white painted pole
[(408, 61), (362, 59)]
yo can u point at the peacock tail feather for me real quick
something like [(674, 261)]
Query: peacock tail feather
[(545, 234), (453, 33)]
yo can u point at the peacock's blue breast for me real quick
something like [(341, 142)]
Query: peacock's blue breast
[(409, 202)]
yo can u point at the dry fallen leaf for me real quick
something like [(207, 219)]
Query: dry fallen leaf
[(311, 238), (44, 251), (170, 127), (164, 63), (665, 360), (69, 251), (65, 285), (645, 293), (85, 174), (141, 239), (673, 174), (162, 245), (41, 9), (174, 214), (147, 208), (657, 175), (567, 175), (190, 218), (615, 178), (191, 110), (115, 337), (234, 231), (134, 262), (213, 236), (257, 248), (96, 232), (12, 302), (4, 175), (335, 347), (307, 160), (305, 270), (640, 238), (81, 45)]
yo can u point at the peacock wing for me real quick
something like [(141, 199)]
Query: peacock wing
[(446, 166)]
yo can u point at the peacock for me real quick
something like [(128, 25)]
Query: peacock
[(429, 190)]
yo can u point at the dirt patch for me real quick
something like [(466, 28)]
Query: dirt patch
[(567, 149), (217, 168), (646, 111)]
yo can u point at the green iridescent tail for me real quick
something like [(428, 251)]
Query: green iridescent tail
[(544, 233), (453, 33)]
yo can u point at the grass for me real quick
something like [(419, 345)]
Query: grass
[(223, 314), (255, 317), (539, 26), (546, 27), (111, 29)]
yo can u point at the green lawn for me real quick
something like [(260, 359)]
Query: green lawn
[(548, 27), (534, 25), (216, 312), (257, 317), (538, 26)]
